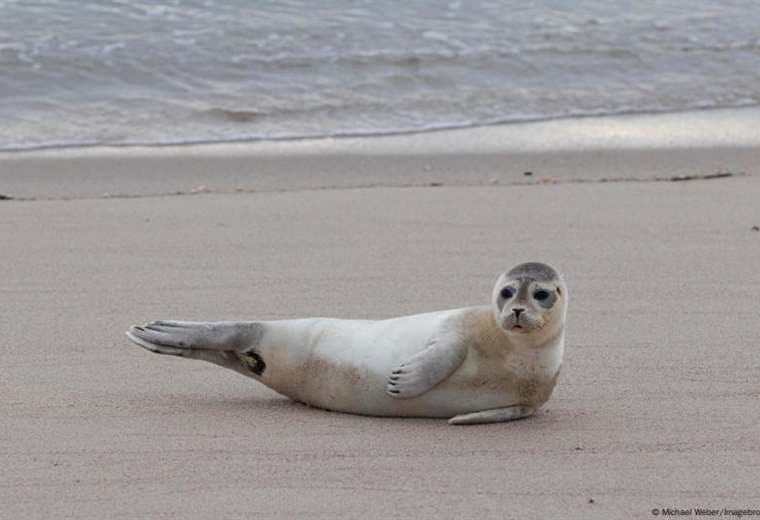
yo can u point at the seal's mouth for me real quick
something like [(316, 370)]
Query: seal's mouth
[(520, 329), (522, 324)]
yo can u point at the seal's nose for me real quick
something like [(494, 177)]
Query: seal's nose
[(518, 311)]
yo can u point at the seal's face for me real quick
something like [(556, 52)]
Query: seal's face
[(529, 298)]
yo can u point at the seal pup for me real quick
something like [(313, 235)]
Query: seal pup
[(483, 364)]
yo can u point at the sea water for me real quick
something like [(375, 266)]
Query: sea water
[(81, 72)]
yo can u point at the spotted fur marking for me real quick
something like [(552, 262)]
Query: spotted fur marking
[(252, 361)]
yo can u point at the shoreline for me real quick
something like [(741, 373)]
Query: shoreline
[(606, 149), (732, 115)]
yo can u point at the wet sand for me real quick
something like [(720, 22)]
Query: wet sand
[(656, 406), (625, 148)]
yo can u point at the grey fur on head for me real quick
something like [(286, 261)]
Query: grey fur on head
[(535, 271)]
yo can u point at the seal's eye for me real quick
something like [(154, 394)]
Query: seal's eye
[(507, 293), (540, 295)]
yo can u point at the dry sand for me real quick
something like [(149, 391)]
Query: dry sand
[(657, 405)]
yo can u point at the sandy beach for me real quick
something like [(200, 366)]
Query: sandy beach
[(656, 406)]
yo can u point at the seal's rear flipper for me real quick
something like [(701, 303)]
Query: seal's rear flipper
[(174, 336), (510, 413), (228, 344), (132, 334)]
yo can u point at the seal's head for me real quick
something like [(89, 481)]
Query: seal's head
[(530, 298)]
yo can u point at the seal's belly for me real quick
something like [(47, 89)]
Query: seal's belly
[(347, 386)]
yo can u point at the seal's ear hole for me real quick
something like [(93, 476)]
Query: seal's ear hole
[(559, 291)]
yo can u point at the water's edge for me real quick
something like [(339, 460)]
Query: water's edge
[(389, 133), (715, 146)]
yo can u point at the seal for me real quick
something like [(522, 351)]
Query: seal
[(482, 364)]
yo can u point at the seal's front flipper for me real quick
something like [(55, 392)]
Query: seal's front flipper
[(509, 413), (172, 337), (427, 368)]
